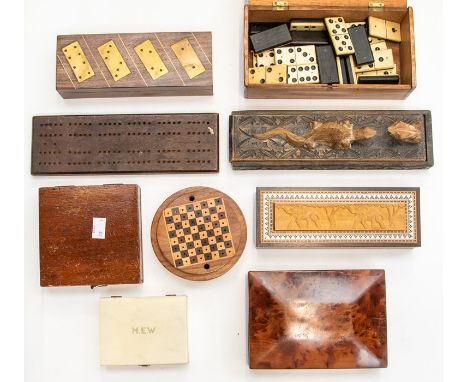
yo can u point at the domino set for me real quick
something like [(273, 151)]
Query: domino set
[(303, 53)]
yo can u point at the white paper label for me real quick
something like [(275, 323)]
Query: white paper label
[(99, 228)]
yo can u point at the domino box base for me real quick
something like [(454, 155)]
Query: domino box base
[(262, 11)]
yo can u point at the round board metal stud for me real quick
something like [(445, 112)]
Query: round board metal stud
[(198, 233)]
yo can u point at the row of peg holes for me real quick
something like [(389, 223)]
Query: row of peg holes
[(128, 151), (118, 162)]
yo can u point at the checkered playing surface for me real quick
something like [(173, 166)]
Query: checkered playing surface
[(199, 232)]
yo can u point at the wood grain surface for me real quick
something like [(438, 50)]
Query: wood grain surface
[(403, 53), (382, 151), (139, 81), (142, 143), (206, 270), (317, 319), (68, 253)]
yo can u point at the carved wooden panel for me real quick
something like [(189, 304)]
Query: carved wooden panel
[(344, 217), (134, 64), (331, 140), (83, 144), (317, 319)]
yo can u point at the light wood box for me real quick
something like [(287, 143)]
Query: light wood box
[(404, 53)]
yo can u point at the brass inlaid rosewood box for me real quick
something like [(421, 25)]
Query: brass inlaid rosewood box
[(317, 320), (331, 69), (363, 139), (134, 64), (338, 217)]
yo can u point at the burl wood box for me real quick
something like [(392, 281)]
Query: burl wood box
[(134, 65), (90, 235), (317, 319), (143, 331), (404, 53)]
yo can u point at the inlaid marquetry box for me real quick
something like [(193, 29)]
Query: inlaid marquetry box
[(143, 331), (90, 235), (338, 139), (317, 319), (134, 65), (338, 217), (280, 12)]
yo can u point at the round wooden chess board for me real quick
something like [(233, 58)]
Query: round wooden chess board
[(198, 233)]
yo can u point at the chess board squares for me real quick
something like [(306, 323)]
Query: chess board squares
[(339, 35), (266, 58)]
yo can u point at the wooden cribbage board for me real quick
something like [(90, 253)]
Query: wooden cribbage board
[(143, 143), (134, 64), (199, 232)]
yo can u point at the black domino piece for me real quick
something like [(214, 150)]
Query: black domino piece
[(309, 38), (255, 28), (344, 72), (349, 69), (327, 64), (362, 49), (271, 38), (380, 80)]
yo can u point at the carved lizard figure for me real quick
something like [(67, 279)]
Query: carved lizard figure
[(337, 135)]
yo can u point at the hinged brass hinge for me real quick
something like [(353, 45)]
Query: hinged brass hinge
[(376, 5), (280, 5)]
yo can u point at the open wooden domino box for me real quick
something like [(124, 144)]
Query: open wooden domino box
[(270, 11)]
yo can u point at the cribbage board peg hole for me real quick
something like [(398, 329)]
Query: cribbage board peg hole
[(206, 266), (192, 198)]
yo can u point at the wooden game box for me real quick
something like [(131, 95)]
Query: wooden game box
[(319, 217), (134, 65), (125, 143), (268, 11), (327, 140), (90, 235), (317, 319), (143, 331)]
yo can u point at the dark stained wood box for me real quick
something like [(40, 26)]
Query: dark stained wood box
[(250, 149), (143, 143), (161, 74), (317, 319), (268, 11), (90, 235)]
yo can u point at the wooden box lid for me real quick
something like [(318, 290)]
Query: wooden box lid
[(317, 319), (328, 3), (143, 331), (90, 235)]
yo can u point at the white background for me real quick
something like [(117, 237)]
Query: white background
[(61, 325)]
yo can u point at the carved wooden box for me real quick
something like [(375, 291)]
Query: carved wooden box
[(134, 65), (338, 217), (331, 140), (143, 143), (280, 12), (90, 235), (317, 319), (143, 331)]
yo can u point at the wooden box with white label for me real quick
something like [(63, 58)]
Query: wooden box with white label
[(90, 235), (143, 331), (320, 31), (134, 65)]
